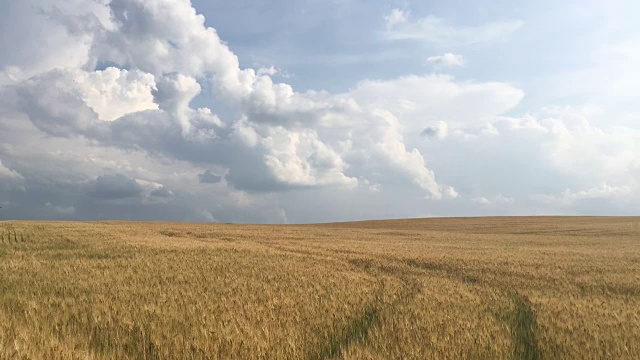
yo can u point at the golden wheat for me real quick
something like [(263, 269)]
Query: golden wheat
[(493, 288)]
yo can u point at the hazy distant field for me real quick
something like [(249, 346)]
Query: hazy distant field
[(512, 288)]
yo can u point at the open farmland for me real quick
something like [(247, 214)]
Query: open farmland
[(490, 288)]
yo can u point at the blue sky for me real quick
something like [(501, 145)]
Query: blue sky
[(563, 54), (306, 111), (317, 37)]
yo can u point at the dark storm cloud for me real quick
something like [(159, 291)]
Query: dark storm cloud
[(114, 187), (161, 192), (209, 178)]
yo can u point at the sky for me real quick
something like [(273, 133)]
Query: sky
[(315, 111)]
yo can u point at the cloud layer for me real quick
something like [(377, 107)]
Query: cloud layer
[(112, 129)]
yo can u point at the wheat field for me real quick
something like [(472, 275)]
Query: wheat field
[(485, 288)]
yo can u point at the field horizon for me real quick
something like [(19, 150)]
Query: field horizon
[(551, 287), (328, 223)]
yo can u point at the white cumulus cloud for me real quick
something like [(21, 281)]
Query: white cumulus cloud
[(438, 30), (446, 60)]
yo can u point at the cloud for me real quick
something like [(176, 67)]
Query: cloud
[(282, 139), (271, 71), (8, 174), (421, 100), (395, 17), (297, 136), (438, 130), (114, 187), (599, 196), (446, 60), (437, 30), (602, 191), (62, 210), (162, 192), (26, 25), (301, 158), (481, 200), (135, 117), (209, 178), (114, 92), (494, 200), (550, 153), (607, 71)]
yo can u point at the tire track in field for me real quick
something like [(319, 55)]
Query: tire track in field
[(522, 321), (523, 326), (374, 312)]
